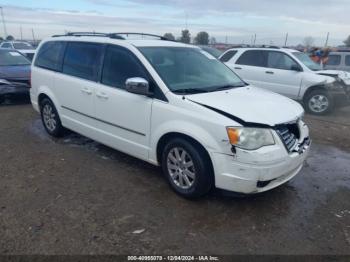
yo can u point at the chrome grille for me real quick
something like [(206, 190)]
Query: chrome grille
[(289, 134)]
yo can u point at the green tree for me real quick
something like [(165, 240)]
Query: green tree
[(10, 38), (169, 36), (202, 38), (185, 36), (347, 41)]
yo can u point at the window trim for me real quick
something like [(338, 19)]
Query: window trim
[(159, 95), (96, 79)]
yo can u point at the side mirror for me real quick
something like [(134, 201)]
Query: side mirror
[(137, 85), (296, 68)]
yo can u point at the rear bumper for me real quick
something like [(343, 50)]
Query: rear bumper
[(14, 90), (246, 178)]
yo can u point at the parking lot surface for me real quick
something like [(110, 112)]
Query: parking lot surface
[(75, 196)]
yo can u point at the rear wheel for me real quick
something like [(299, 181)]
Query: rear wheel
[(319, 102), (187, 168), (50, 118)]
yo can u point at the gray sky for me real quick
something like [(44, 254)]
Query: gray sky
[(236, 19)]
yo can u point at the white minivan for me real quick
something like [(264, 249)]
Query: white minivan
[(173, 105)]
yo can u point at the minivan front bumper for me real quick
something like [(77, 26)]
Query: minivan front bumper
[(250, 178)]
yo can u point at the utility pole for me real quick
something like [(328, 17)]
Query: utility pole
[(285, 42), (33, 36), (3, 21), (20, 29), (254, 39), (326, 44)]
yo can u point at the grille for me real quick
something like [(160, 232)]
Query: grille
[(289, 134)]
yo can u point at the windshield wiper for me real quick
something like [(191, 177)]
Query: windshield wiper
[(227, 87), (189, 91)]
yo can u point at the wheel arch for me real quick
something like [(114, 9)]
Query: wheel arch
[(172, 135), (313, 88)]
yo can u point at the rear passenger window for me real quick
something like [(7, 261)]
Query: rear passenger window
[(347, 60), (333, 60), (228, 55), (50, 56), (119, 65), (82, 60), (253, 58)]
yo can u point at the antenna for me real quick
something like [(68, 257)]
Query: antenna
[(326, 44), (254, 39), (285, 42)]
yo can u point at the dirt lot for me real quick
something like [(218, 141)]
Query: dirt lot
[(75, 196)]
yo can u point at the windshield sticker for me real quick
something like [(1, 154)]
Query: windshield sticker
[(15, 54), (208, 55)]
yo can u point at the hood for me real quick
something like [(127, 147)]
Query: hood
[(344, 76), (251, 105), (26, 51), (21, 72)]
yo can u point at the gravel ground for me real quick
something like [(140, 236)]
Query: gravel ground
[(75, 196)]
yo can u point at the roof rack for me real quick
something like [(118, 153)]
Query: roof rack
[(141, 34), (111, 35)]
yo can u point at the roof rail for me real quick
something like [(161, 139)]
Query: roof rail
[(111, 35), (140, 34)]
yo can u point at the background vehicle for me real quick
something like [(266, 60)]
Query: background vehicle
[(211, 50), (173, 105), (23, 47), (14, 74), (293, 74), (338, 61)]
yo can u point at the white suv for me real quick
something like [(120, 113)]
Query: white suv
[(172, 105), (293, 74)]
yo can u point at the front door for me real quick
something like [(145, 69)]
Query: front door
[(124, 117)]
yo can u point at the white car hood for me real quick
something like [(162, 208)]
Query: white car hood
[(345, 76), (26, 51), (252, 105)]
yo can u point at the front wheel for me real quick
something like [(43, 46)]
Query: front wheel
[(51, 119), (187, 168), (318, 102)]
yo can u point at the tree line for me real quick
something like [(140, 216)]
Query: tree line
[(202, 38)]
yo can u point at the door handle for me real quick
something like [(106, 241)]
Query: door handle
[(269, 72), (86, 91), (102, 95), (239, 68)]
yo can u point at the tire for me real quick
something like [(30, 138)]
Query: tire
[(2, 99), (190, 181), (51, 119), (319, 102)]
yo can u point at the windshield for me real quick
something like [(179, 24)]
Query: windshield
[(213, 51), (190, 70), (22, 46), (12, 58), (307, 61)]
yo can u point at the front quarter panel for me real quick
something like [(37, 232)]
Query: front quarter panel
[(311, 79), (188, 118)]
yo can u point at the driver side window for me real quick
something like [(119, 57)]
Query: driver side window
[(119, 65), (279, 60)]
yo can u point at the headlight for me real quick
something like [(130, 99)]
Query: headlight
[(250, 138)]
